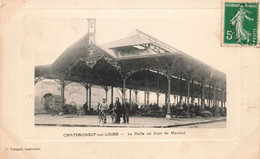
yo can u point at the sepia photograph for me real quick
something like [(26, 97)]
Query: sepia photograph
[(135, 81), (129, 79)]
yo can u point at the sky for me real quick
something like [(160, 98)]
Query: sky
[(195, 32), (46, 34)]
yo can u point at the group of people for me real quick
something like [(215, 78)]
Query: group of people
[(117, 110)]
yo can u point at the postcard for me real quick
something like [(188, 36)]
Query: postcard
[(112, 79)]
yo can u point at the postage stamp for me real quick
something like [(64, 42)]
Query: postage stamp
[(240, 24)]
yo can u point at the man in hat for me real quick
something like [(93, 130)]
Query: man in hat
[(103, 109), (126, 111), (118, 110)]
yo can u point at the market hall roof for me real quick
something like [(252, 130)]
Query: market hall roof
[(79, 51), (109, 64), (151, 53)]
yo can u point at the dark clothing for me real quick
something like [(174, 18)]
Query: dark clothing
[(118, 111), (197, 108), (185, 107), (126, 117), (85, 108), (126, 108), (126, 111), (111, 106)]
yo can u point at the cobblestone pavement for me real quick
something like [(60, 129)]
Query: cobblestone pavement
[(135, 121)]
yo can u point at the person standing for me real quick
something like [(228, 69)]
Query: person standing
[(85, 108), (118, 110), (126, 111), (103, 109)]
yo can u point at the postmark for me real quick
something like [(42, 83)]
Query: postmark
[(240, 24)]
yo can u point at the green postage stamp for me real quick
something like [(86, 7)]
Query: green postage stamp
[(240, 24)]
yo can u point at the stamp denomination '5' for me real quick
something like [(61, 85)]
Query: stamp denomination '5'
[(240, 23)]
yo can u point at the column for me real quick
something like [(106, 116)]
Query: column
[(123, 90), (62, 92), (106, 89), (148, 98), (136, 93), (145, 90), (165, 99), (145, 97), (188, 95), (130, 96), (169, 115), (202, 96), (209, 95), (214, 96), (180, 88), (158, 95), (215, 102), (222, 98), (112, 95), (89, 105), (225, 97), (192, 91), (86, 87)]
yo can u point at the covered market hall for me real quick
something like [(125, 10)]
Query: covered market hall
[(138, 62)]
